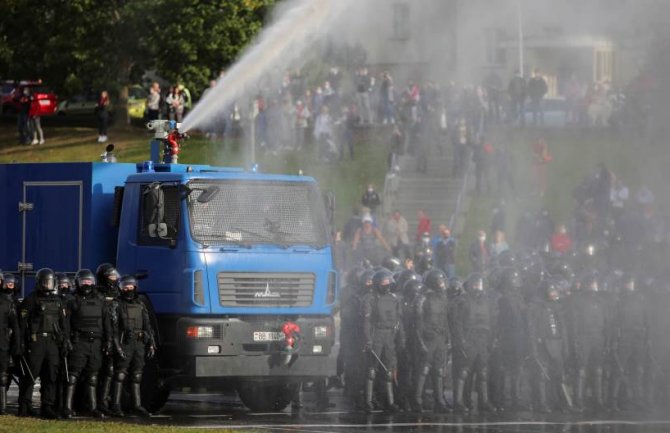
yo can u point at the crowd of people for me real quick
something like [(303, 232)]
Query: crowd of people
[(564, 317), (84, 341)]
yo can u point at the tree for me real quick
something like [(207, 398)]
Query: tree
[(73, 44)]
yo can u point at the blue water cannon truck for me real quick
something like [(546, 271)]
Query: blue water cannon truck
[(236, 266)]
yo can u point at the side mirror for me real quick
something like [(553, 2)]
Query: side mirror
[(208, 195)]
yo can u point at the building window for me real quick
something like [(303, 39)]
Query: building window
[(401, 28), (495, 55)]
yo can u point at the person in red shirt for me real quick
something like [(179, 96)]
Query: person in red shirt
[(560, 240), (424, 224)]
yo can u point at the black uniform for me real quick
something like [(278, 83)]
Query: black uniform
[(629, 347), (658, 305), (133, 341), (472, 321), (588, 337), (10, 338), (45, 332), (382, 325), (91, 336), (512, 336), (432, 336), (107, 286), (408, 365), (548, 351)]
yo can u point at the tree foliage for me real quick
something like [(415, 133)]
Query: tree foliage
[(75, 44)]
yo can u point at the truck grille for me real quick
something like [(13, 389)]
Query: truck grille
[(248, 289)]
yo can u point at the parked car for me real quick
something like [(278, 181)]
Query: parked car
[(82, 104), (46, 99)]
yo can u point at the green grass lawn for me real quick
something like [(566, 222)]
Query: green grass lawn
[(11, 424), (347, 179)]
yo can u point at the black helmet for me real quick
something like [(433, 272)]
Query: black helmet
[(506, 258), (435, 280), (128, 280), (107, 276), (9, 283), (63, 283), (45, 280), (561, 269), (404, 276), (353, 277), (455, 287), (382, 281), (423, 260), (367, 279), (511, 279), (84, 281), (475, 284), (392, 263), (411, 288)]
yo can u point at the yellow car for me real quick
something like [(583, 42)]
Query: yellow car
[(137, 99)]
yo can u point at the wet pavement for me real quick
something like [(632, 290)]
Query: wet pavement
[(218, 411)]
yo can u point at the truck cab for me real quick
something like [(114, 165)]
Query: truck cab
[(228, 258)]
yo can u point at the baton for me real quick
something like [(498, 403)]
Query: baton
[(23, 359), (67, 370), (379, 361)]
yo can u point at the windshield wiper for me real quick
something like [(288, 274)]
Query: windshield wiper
[(269, 239)]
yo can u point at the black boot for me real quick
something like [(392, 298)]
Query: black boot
[(390, 398), (459, 405), (598, 389), (92, 399), (136, 395), (483, 390), (418, 393), (369, 388), (438, 391), (3, 394), (116, 402), (48, 412), (579, 391), (541, 406), (69, 396), (105, 395)]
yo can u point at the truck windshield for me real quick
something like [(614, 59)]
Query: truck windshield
[(258, 212)]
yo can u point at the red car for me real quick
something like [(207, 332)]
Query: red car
[(45, 101)]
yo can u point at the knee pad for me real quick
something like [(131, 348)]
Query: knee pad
[(136, 378), (372, 373), (121, 375), (463, 374), (4, 379), (439, 372), (425, 370), (92, 380), (389, 376), (72, 379)]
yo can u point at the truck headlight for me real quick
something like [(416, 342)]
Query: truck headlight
[(320, 332), (200, 332)]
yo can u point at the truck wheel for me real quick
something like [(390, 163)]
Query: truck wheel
[(265, 396), (154, 391)]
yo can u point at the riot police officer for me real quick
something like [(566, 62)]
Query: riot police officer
[(91, 335), (64, 286), (629, 344), (107, 279), (588, 338), (472, 321), (548, 342), (512, 335), (10, 337), (432, 335), (133, 341), (45, 332), (407, 363), (382, 325)]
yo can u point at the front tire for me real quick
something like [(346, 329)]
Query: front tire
[(265, 396)]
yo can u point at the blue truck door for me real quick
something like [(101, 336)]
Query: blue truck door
[(52, 227)]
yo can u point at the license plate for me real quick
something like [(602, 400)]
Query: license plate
[(268, 336)]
